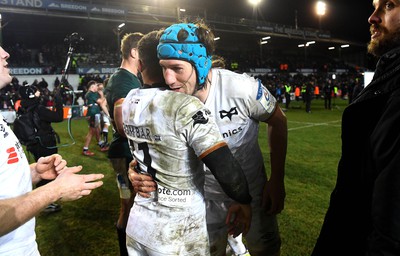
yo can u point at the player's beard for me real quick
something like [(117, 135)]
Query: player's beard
[(385, 42)]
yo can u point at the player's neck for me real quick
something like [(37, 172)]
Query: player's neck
[(202, 94), (130, 65)]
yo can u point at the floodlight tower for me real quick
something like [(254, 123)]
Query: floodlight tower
[(320, 10), (255, 3), (119, 32)]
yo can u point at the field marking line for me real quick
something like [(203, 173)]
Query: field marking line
[(311, 124)]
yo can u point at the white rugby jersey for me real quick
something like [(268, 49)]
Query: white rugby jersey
[(168, 133), (238, 102), (15, 180)]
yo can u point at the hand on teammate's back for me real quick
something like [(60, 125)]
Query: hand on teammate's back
[(142, 184)]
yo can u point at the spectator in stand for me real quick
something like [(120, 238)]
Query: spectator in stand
[(288, 90), (56, 82)]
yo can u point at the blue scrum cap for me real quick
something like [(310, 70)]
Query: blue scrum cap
[(191, 49)]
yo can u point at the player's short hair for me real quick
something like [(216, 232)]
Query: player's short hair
[(147, 47), (128, 42)]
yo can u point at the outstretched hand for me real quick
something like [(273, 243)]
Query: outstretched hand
[(72, 186)]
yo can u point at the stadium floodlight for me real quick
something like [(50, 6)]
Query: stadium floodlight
[(263, 41), (306, 44), (118, 33), (331, 48), (182, 10), (217, 38), (320, 10), (310, 42), (254, 2), (120, 26), (345, 45)]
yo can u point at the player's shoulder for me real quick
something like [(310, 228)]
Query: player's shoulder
[(178, 98), (179, 103), (225, 74), (235, 83)]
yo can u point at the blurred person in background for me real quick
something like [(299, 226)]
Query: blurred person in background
[(363, 217), (95, 103), (46, 138), (328, 90), (18, 202), (104, 120), (308, 95)]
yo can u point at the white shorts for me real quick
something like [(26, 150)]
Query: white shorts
[(120, 166), (97, 120), (106, 120), (161, 230)]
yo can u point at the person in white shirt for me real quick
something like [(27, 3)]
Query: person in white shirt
[(238, 103), (18, 202)]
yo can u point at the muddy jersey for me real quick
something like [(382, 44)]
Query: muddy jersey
[(169, 133), (15, 180), (238, 102)]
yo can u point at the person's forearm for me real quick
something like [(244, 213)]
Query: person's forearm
[(277, 141), (118, 117), (14, 212), (278, 146), (229, 174)]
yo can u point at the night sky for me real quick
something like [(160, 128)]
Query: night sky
[(345, 19)]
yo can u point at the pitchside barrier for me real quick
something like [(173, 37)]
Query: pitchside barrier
[(73, 111)]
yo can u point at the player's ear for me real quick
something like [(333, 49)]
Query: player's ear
[(134, 53), (141, 66)]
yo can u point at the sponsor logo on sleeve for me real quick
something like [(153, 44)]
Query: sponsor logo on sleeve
[(199, 118), (265, 98)]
